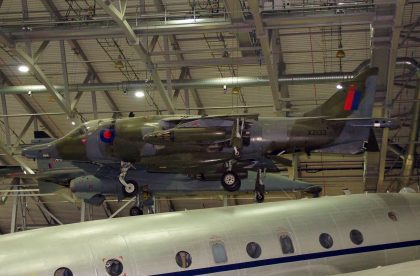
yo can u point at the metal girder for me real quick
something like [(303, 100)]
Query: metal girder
[(52, 9), (175, 45), (32, 110), (94, 105), (390, 74), (43, 79), (107, 209), (406, 35), (153, 43), (65, 75), (25, 58), (182, 76), (8, 154), (14, 215), (167, 58), (173, 27), (6, 120), (234, 8), (79, 94), (28, 107), (44, 210), (76, 46), (40, 50), (409, 158), (118, 17), (265, 46), (133, 199), (24, 130)]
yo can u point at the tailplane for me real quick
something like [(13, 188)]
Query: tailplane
[(354, 100)]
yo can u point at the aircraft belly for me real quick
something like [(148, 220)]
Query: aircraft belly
[(93, 147)]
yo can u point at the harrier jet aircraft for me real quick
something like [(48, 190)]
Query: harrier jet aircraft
[(224, 145), (316, 237)]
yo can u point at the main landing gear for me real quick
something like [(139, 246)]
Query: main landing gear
[(130, 186), (259, 186), (143, 200), (230, 180)]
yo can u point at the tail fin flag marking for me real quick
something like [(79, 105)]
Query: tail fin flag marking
[(352, 99), (356, 100)]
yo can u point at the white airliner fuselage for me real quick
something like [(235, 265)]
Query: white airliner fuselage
[(323, 236)]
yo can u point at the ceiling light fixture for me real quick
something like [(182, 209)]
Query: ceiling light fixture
[(139, 94), (339, 86), (23, 69)]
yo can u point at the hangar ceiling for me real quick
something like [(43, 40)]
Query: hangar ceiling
[(88, 58)]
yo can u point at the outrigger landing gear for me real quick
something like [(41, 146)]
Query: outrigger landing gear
[(137, 210), (230, 180), (130, 186), (259, 186), (144, 200)]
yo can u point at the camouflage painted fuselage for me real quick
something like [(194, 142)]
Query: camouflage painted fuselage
[(110, 141), (182, 144)]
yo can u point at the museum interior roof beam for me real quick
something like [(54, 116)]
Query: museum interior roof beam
[(118, 17)]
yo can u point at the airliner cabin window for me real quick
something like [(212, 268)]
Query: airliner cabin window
[(286, 244), (63, 271), (326, 240), (114, 267), (253, 249), (219, 252), (183, 259), (356, 237)]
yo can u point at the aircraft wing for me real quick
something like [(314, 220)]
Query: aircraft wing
[(10, 171), (60, 176), (184, 119), (369, 122), (411, 268)]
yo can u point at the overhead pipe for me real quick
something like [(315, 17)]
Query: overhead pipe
[(230, 82)]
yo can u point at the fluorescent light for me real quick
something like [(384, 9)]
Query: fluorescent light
[(339, 86), (139, 94), (23, 69)]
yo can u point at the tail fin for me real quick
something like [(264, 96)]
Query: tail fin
[(355, 99)]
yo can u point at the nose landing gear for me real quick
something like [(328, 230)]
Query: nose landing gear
[(130, 187)]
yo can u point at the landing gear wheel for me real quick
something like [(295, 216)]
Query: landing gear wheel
[(259, 186), (231, 181), (136, 211), (259, 197), (131, 189)]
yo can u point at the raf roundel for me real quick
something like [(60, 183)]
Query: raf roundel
[(107, 135)]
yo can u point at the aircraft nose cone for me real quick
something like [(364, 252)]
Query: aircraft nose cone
[(40, 151)]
